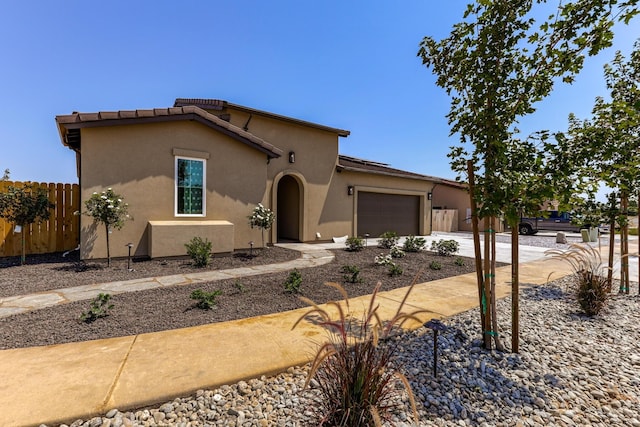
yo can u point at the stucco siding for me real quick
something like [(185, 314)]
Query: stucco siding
[(137, 161)]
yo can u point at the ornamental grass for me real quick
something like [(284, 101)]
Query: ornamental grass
[(593, 285), (354, 370)]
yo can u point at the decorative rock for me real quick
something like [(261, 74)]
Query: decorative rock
[(555, 380)]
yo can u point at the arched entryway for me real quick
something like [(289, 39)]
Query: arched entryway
[(288, 214)]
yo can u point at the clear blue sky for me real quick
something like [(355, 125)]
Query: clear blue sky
[(344, 64)]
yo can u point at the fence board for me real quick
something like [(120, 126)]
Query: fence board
[(59, 233)]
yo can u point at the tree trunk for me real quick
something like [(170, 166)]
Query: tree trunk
[(23, 250), (482, 300), (487, 298), (106, 229), (624, 245), (515, 291), (612, 246), (638, 229), (494, 312)]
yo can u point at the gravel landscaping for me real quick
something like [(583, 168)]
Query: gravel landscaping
[(171, 308)]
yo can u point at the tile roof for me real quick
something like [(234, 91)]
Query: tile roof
[(69, 125), (219, 105), (355, 164)]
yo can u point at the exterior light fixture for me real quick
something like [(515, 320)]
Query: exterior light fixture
[(429, 195), (292, 157), (350, 190), (129, 245)]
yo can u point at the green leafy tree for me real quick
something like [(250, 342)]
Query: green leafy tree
[(495, 65), (109, 209), (605, 147), (24, 206)]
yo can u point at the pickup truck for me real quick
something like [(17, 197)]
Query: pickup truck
[(556, 221)]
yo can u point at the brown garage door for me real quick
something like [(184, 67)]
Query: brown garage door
[(379, 212)]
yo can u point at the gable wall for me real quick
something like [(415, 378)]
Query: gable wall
[(137, 161)]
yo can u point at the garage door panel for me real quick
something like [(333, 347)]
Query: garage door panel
[(380, 212)]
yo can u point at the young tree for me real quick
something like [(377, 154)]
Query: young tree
[(607, 146), (496, 65), (107, 208), (261, 218), (6, 175), (24, 206)]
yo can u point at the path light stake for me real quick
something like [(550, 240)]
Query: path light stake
[(436, 326), (129, 245), (366, 240), (251, 248)]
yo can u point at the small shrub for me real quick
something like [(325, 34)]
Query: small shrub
[(435, 265), (293, 282), (396, 252), (395, 269), (351, 274), (99, 308), (414, 244), (383, 259), (355, 244), (239, 287), (388, 239), (200, 251), (445, 247), (356, 379), (206, 300), (593, 286), (459, 262)]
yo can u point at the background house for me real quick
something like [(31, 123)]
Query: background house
[(200, 167)]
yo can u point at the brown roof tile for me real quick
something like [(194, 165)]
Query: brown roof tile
[(74, 122)]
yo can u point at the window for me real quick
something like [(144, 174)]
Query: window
[(190, 186)]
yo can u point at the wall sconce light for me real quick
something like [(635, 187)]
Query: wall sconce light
[(292, 157), (429, 196), (350, 190)]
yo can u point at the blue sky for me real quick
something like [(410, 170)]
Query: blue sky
[(344, 64)]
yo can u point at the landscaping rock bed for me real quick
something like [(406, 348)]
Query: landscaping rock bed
[(171, 308)]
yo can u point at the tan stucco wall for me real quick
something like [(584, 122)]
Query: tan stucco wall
[(449, 197), (137, 161)]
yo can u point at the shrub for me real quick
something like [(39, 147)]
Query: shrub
[(435, 265), (383, 259), (99, 308), (293, 282), (261, 218), (357, 381), (395, 269), (109, 209), (355, 244), (388, 239), (200, 251), (445, 247), (414, 244), (239, 287), (24, 206), (396, 252), (593, 286), (351, 274), (459, 262), (206, 300)]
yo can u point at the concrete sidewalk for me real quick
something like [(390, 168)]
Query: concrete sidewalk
[(64, 382)]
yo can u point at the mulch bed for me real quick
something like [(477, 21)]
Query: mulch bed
[(171, 308)]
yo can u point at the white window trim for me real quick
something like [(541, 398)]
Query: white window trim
[(204, 187)]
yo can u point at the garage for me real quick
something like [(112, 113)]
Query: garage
[(380, 212)]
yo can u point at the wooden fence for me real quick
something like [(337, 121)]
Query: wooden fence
[(59, 233), (444, 220)]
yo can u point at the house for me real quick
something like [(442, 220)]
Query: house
[(200, 167)]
